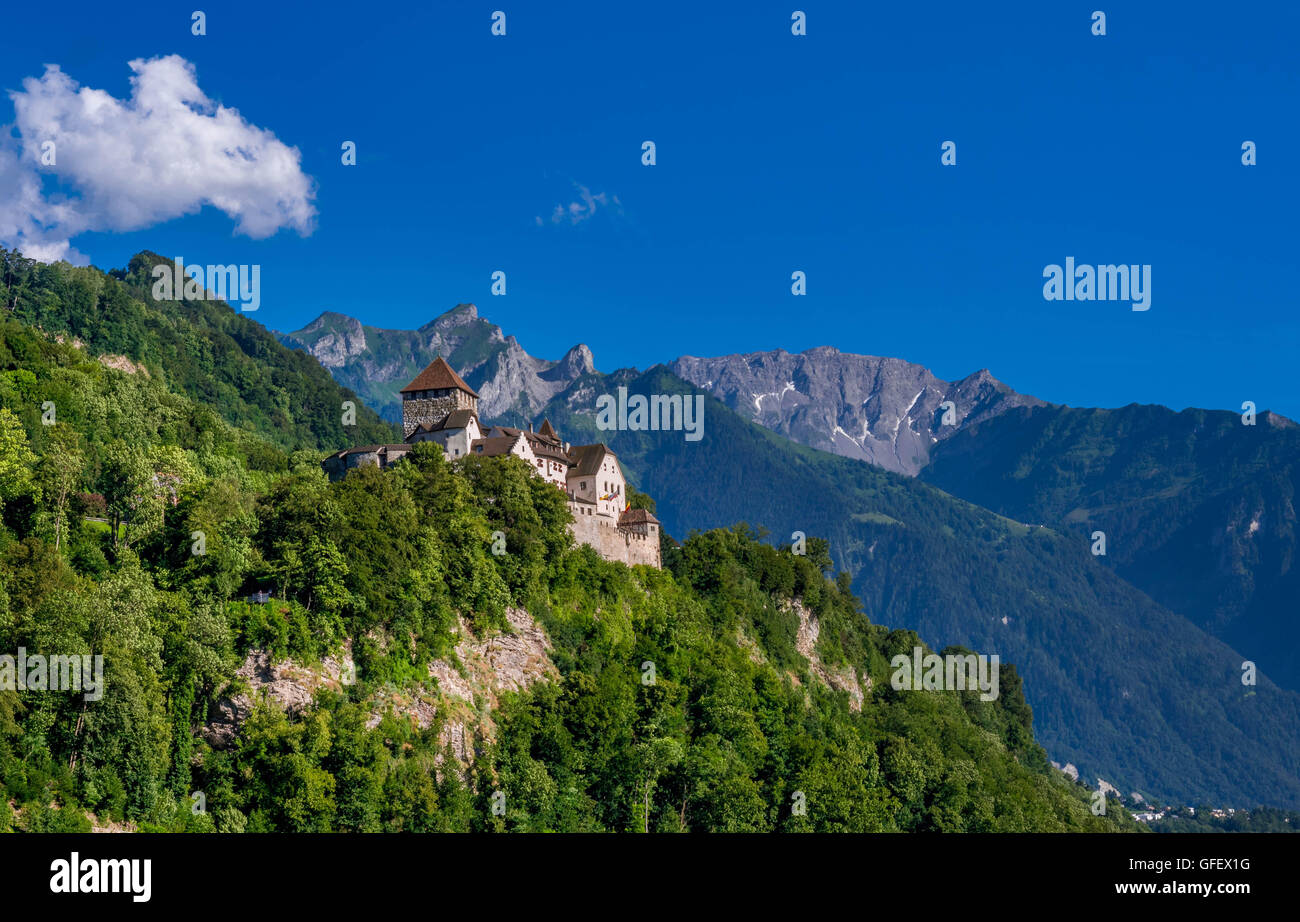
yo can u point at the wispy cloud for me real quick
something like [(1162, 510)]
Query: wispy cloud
[(128, 164), (582, 208)]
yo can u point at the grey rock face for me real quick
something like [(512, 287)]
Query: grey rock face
[(881, 410), (512, 381), (485, 667), (337, 338), (377, 363), (289, 685)]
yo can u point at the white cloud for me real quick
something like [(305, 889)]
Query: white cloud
[(583, 208), (123, 165)]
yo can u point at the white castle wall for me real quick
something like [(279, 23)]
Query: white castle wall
[(614, 543)]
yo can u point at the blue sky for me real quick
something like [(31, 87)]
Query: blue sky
[(775, 153)]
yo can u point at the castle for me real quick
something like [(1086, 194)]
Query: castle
[(438, 406)]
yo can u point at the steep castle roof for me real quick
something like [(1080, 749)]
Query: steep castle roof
[(548, 430), (637, 517), (457, 419), (543, 443), (587, 458), (439, 376), (494, 446)]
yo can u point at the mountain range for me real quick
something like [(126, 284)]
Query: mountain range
[(972, 522), (377, 363), (885, 411)]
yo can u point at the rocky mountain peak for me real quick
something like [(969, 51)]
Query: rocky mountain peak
[(461, 314), (882, 410), (332, 337), (577, 362)]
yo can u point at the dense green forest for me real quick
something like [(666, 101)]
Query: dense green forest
[(218, 357), (1198, 508), (140, 508), (1123, 687)]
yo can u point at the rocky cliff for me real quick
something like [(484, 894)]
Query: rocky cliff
[(463, 691), (885, 411), (377, 363)]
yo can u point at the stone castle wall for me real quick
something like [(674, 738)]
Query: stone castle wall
[(613, 543)]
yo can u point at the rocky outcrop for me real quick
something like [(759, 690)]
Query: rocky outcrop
[(577, 362), (469, 686), (505, 662), (122, 363), (842, 678), (98, 825), (288, 684), (1068, 769), (881, 410), (515, 384), (464, 689), (108, 359), (750, 647), (335, 339)]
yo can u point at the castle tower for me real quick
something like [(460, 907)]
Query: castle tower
[(435, 394)]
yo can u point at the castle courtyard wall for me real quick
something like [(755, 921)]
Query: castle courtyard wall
[(614, 543)]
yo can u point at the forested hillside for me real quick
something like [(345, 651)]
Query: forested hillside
[(218, 357), (1122, 687), (1199, 510), (139, 517)]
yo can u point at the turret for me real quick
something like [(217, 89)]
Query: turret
[(435, 394)]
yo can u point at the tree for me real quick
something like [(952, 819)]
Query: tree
[(16, 458), (653, 758), (126, 480), (59, 474)]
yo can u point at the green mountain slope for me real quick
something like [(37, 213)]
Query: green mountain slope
[(737, 730), (204, 350), (1121, 686), (1198, 510)]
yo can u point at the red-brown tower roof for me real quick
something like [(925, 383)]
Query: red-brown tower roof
[(439, 376)]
